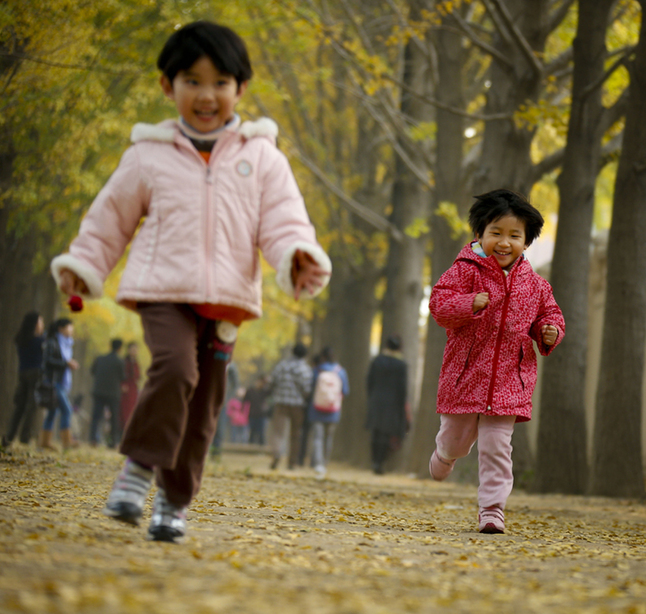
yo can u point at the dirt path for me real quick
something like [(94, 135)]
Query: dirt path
[(280, 542)]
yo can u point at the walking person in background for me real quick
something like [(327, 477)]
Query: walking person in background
[(388, 416), (58, 364), (29, 342), (330, 386), (109, 374), (238, 413), (129, 386), (290, 385), (256, 396), (494, 308), (200, 197)]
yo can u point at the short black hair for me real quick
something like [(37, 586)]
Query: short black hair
[(57, 325), (222, 45), (116, 344), (300, 351), (394, 342), (493, 205)]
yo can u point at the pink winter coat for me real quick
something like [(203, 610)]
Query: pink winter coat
[(202, 223), (489, 361)]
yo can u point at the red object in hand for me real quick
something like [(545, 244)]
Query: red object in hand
[(75, 303)]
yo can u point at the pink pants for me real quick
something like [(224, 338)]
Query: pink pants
[(456, 437)]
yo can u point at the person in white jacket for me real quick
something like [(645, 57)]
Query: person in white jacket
[(211, 193)]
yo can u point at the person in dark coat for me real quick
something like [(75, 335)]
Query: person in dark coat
[(29, 343), (109, 373), (388, 418)]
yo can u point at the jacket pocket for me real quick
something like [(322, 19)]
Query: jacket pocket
[(466, 364)]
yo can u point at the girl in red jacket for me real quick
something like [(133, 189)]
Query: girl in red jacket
[(494, 307)]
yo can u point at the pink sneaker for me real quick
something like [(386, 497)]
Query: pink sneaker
[(440, 468), (491, 520)]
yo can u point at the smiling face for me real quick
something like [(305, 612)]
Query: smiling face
[(504, 238), (204, 97)]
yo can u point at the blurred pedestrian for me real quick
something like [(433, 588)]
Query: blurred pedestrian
[(238, 413), (129, 386), (58, 364), (388, 417), (290, 385), (109, 374), (29, 342), (329, 387), (256, 396)]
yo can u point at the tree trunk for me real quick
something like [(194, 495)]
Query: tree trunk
[(351, 310), (562, 441), (617, 469), (449, 186), (410, 201)]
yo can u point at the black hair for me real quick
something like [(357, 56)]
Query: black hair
[(493, 205), (327, 355), (222, 45), (394, 342), (56, 325), (116, 344), (27, 328), (300, 351)]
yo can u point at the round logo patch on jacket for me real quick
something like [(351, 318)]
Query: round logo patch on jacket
[(244, 168)]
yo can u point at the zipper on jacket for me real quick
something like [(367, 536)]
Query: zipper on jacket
[(207, 229), (496, 354)]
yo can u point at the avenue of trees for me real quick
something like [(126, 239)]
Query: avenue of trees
[(394, 114)]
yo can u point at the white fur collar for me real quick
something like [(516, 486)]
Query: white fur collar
[(166, 131)]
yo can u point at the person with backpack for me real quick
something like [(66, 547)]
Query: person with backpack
[(330, 386)]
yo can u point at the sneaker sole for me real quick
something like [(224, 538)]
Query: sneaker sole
[(165, 534), (491, 529), (126, 513)]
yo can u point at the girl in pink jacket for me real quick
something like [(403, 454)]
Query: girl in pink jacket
[(494, 307), (211, 194)]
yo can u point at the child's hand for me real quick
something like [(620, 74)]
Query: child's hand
[(71, 283), (549, 333), (306, 273), (480, 301)]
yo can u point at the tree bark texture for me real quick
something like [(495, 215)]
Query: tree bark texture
[(411, 200), (617, 469), (561, 449), (449, 186)]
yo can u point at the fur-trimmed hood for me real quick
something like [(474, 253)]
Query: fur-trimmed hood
[(168, 130)]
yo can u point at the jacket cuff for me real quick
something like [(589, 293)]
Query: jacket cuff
[(284, 271), (91, 278)]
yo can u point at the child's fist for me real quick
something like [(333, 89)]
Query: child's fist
[(480, 301), (71, 283), (549, 333)]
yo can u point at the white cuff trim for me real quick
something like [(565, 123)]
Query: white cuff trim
[(88, 274), (284, 271)]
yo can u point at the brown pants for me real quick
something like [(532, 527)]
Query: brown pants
[(176, 414)]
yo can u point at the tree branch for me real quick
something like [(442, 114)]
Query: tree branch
[(614, 66), (86, 67), (559, 14), (478, 42), (516, 34)]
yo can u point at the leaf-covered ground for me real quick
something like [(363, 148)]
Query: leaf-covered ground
[(284, 542)]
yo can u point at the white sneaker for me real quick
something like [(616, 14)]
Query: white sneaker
[(128, 495), (320, 471), (167, 523)]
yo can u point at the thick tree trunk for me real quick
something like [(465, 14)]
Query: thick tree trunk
[(449, 186), (617, 469), (411, 201), (351, 310), (562, 441)]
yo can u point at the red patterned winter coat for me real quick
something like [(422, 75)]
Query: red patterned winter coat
[(489, 361)]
